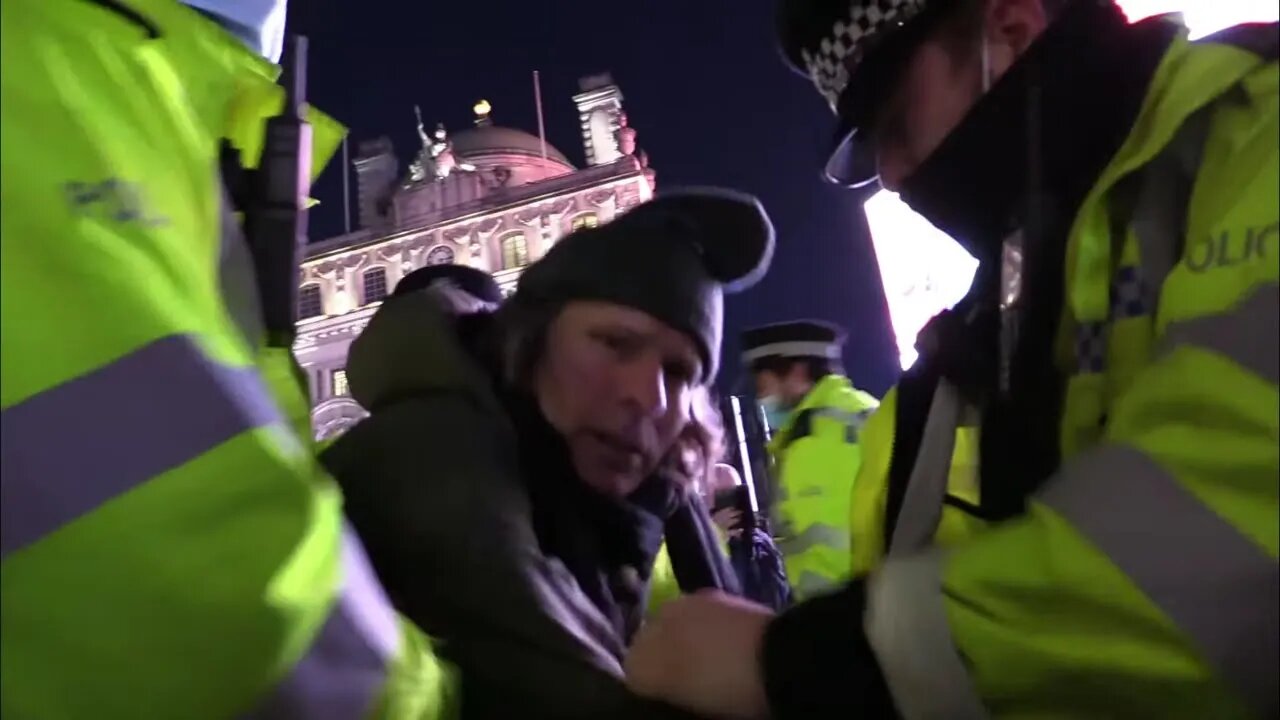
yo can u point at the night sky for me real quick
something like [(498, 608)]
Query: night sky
[(704, 88)]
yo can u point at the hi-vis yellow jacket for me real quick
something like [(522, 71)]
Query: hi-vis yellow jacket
[(816, 453), (1143, 581), (170, 547), (871, 490)]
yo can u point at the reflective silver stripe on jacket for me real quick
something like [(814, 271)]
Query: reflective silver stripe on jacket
[(1218, 587), (344, 670), (906, 625), (922, 503), (811, 583), (815, 535), (77, 446), (1215, 584), (1247, 334), (844, 417), (906, 621)]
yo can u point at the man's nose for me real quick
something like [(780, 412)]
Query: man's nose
[(644, 386)]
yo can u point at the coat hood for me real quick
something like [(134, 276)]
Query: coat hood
[(411, 346)]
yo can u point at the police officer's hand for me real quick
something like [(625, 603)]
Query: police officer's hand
[(702, 653)]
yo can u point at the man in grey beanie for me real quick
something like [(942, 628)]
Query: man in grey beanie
[(513, 493)]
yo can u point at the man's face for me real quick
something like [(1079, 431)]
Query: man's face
[(788, 388), (768, 384), (943, 80), (935, 92), (615, 383)]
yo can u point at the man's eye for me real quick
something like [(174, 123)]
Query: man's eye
[(679, 372), (614, 341)]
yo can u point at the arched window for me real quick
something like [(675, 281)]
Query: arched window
[(515, 251), (340, 386), (375, 284), (309, 304), (440, 255), (585, 220)]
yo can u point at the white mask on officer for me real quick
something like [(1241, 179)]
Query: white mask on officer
[(775, 411), (257, 23)]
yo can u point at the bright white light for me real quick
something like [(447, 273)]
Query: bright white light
[(923, 270), (1205, 17)]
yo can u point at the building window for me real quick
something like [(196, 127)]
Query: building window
[(440, 255), (375, 284), (309, 304), (340, 386), (585, 220), (515, 251)]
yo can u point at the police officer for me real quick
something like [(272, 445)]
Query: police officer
[(815, 415), (1126, 387), (170, 546)]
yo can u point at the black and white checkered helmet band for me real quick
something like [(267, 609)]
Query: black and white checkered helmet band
[(829, 64)]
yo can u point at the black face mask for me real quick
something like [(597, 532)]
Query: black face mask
[(1030, 148), (969, 187)]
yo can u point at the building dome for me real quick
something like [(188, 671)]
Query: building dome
[(493, 140)]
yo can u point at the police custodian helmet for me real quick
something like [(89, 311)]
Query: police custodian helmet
[(853, 52), (793, 339), (673, 258)]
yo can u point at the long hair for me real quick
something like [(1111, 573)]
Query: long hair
[(701, 444)]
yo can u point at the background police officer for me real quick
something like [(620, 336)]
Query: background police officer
[(815, 415)]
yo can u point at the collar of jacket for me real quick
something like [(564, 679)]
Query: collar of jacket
[(1040, 137), (608, 545), (821, 395), (231, 90)]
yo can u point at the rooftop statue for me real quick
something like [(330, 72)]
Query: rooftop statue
[(435, 160)]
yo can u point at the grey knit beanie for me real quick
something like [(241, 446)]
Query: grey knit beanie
[(672, 257)]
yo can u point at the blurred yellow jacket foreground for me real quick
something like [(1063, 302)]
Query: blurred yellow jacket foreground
[(171, 548)]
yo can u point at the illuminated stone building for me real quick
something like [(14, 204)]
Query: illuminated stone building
[(492, 197)]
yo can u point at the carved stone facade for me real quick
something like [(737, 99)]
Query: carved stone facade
[(518, 197)]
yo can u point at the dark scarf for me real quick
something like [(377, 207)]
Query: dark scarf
[(608, 545), (1038, 140)]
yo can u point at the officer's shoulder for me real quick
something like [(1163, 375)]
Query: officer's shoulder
[(1261, 39)]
